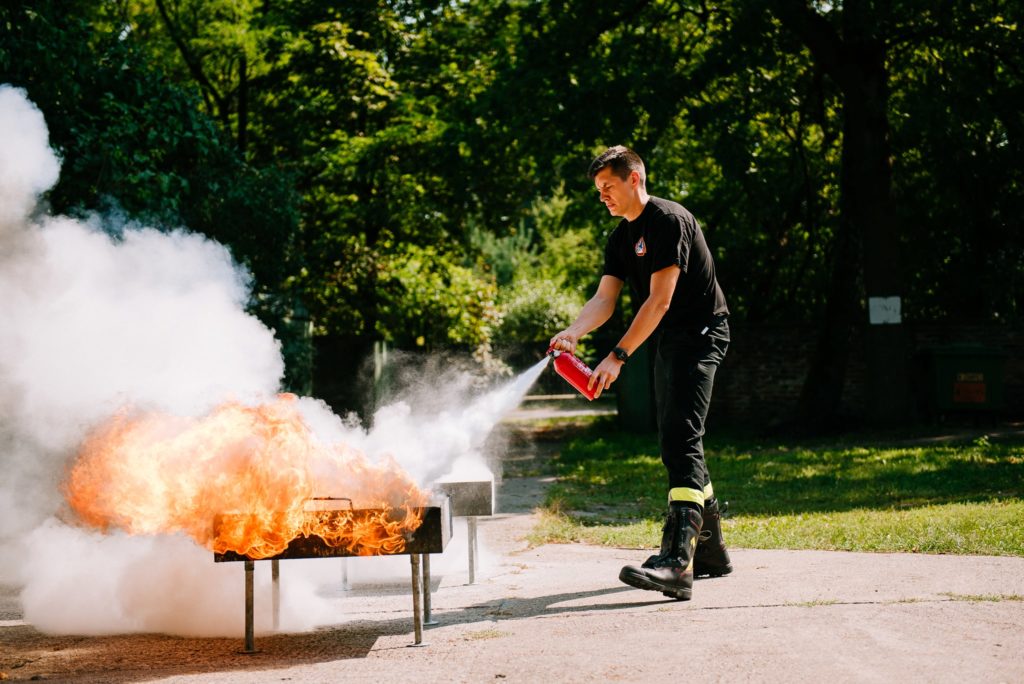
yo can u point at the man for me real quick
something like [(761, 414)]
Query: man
[(659, 249)]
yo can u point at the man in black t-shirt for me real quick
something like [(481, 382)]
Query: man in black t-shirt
[(659, 249)]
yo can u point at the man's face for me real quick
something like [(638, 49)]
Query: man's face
[(618, 195)]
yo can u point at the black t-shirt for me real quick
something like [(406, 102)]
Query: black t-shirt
[(666, 234)]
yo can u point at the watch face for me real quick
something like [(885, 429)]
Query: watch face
[(620, 354)]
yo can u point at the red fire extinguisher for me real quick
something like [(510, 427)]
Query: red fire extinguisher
[(575, 372)]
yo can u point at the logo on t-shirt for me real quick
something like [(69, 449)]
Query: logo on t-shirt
[(640, 247)]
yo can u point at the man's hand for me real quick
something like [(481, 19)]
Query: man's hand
[(594, 314), (565, 341), (605, 374)]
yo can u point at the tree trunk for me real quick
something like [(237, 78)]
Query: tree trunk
[(822, 392), (866, 187), (243, 104), (867, 238)]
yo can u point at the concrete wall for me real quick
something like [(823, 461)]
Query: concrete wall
[(760, 381)]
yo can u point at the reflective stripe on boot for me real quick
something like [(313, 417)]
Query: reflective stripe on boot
[(711, 558)]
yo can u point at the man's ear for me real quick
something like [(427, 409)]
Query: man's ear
[(634, 179)]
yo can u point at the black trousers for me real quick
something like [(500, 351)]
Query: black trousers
[(684, 374)]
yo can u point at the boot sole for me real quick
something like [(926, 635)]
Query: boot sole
[(641, 581), (707, 572)]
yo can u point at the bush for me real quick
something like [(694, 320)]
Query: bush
[(535, 309), (428, 300)]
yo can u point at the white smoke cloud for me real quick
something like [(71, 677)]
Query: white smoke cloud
[(27, 165), (436, 430), (92, 321), (95, 317)]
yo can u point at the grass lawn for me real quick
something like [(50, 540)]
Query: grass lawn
[(851, 495)]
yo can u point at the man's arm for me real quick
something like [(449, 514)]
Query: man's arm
[(594, 314), (663, 285)]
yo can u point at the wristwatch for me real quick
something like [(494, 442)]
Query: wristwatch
[(621, 354)]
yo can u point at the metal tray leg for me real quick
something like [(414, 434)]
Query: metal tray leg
[(275, 576), (427, 620), (471, 527), (250, 641), (417, 619)]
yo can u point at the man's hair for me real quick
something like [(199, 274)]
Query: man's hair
[(622, 162)]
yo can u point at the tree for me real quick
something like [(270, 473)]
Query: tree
[(958, 85), (854, 43), (219, 45), (850, 47), (318, 90), (773, 120), (131, 140), (833, 152)]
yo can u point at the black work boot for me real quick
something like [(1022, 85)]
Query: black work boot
[(671, 571), (711, 558)]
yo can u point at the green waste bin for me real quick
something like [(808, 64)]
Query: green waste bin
[(966, 378)]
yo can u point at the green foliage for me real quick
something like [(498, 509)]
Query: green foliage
[(936, 499), (959, 183), (545, 271), (217, 47), (987, 528), (346, 150), (507, 257), (131, 140), (535, 309), (422, 287)]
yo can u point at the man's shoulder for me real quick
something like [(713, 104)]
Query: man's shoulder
[(664, 207), (663, 210)]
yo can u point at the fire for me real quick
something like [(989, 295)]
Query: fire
[(252, 469)]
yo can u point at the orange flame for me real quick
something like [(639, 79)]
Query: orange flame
[(253, 468)]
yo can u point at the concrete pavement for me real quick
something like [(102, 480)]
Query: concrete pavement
[(558, 613)]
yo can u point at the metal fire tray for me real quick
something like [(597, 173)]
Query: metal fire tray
[(470, 499), (474, 497), (432, 536)]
